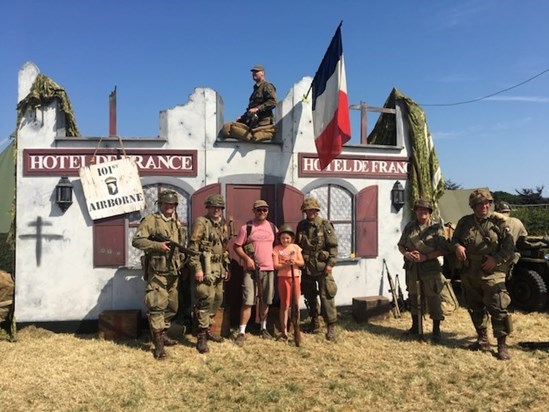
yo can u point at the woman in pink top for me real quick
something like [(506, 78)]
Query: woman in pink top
[(287, 255)]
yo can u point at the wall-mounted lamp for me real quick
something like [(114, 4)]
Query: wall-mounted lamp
[(63, 193), (397, 196)]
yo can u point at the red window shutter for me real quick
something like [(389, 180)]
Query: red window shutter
[(366, 222), (199, 197), (109, 242), (289, 203)]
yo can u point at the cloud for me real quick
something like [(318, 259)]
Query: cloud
[(459, 13), (525, 99)]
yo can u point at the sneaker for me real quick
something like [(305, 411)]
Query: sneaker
[(240, 338), (265, 334)]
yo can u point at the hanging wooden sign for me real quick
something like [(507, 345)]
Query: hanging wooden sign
[(112, 188)]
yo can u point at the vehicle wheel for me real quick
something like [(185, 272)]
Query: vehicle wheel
[(528, 290)]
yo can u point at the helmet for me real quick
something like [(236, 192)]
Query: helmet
[(502, 207), (423, 203), (215, 200), (168, 196), (286, 229), (310, 203), (478, 196)]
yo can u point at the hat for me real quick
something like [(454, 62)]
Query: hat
[(167, 196), (479, 196), (260, 203), (310, 203), (258, 68), (423, 203), (502, 207), (216, 200)]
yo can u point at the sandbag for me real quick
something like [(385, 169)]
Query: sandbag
[(263, 133), (7, 287)]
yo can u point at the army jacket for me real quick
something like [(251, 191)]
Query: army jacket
[(157, 259), (488, 236), (318, 240), (425, 239), (264, 98), (208, 235)]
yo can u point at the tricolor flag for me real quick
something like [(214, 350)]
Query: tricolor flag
[(331, 123)]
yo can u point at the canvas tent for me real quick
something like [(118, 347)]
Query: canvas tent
[(7, 177)]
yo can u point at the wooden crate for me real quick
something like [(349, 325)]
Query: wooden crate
[(119, 324), (368, 308)]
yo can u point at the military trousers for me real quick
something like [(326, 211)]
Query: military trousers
[(486, 294), (431, 286), (161, 300), (325, 287), (209, 296)]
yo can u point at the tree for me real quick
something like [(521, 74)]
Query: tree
[(509, 198), (530, 196), (450, 185)]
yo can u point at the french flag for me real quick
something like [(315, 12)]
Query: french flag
[(331, 123)]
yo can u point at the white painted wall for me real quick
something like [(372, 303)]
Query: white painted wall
[(65, 286)]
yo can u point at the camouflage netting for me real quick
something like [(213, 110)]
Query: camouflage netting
[(7, 319), (43, 92), (424, 177)]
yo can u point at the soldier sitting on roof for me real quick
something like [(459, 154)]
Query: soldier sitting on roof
[(257, 123)]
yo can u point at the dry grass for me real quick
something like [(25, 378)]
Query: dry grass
[(369, 368)]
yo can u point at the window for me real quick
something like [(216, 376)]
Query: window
[(336, 205), (113, 236)]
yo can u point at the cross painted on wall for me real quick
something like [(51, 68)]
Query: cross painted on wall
[(40, 237)]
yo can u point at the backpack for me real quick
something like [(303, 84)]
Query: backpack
[(249, 225)]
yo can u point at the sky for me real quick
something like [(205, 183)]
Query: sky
[(437, 52)]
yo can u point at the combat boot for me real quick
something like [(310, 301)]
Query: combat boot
[(330, 334), (414, 330), (202, 341), (159, 352), (314, 326), (503, 354), (437, 336), (482, 343), (167, 340), (213, 337)]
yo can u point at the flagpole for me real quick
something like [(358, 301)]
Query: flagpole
[(311, 86)]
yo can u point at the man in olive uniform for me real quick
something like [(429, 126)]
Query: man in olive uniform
[(262, 101), (161, 267), (209, 266), (484, 245), (317, 238), (518, 231), (421, 243)]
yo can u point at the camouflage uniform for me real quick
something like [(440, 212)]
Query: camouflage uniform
[(209, 240), (264, 98), (318, 241), (485, 292), (426, 239), (161, 293)]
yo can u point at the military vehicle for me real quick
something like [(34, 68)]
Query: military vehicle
[(530, 280)]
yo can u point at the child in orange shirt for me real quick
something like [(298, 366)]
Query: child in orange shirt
[(287, 258)]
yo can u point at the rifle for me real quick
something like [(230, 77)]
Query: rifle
[(401, 302), (250, 119), (394, 304), (294, 304), (419, 308), (160, 238)]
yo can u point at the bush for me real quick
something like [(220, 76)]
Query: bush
[(535, 219)]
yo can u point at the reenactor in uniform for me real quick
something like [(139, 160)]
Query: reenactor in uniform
[(262, 101), (484, 245), (209, 265), (518, 231), (161, 264), (421, 243), (317, 238)]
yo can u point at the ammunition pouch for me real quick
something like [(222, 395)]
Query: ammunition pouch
[(249, 249)]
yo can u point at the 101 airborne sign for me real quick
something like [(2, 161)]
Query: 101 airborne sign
[(112, 188)]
